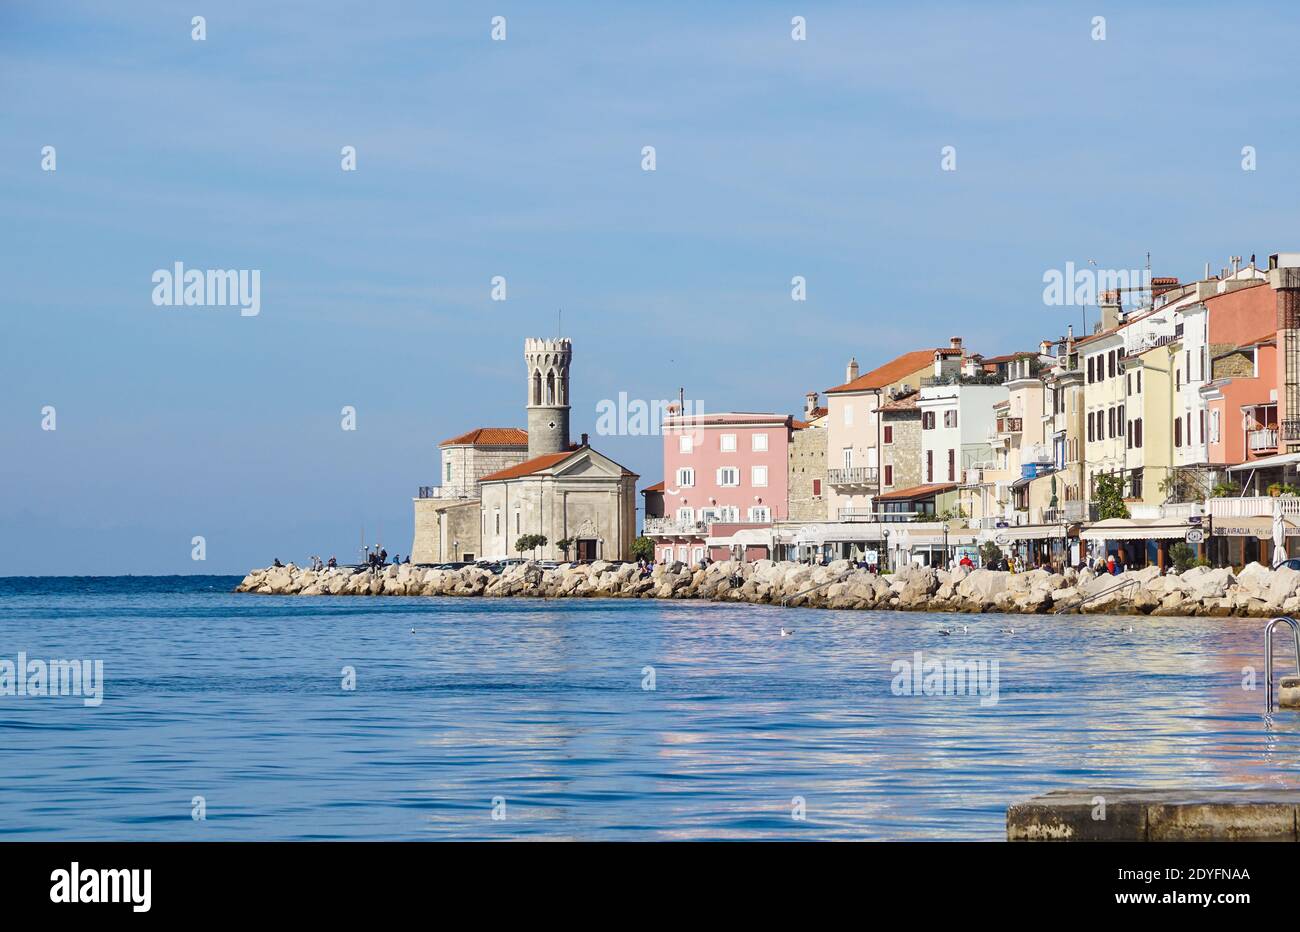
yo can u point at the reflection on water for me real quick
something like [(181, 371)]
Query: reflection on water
[(237, 699)]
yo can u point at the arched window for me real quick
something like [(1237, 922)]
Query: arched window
[(536, 398), (550, 387)]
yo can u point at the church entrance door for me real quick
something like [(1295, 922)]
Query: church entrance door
[(586, 549)]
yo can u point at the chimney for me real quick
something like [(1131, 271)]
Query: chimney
[(1111, 308), (851, 372), (809, 405), (954, 342), (1045, 348), (1069, 340), (584, 441)]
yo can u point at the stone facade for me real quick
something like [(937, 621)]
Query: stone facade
[(500, 483), (586, 498), (806, 485), (447, 525), (446, 531), (902, 456)]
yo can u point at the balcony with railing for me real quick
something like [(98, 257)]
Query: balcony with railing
[(1291, 429), (1009, 425), (871, 515), (1071, 512), (671, 527), (1263, 440), (853, 476), (1252, 506), (448, 491)]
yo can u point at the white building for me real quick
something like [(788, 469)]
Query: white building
[(956, 422)]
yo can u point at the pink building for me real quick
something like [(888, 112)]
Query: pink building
[(1241, 398), (725, 482)]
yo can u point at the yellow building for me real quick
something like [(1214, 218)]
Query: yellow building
[(1149, 447)]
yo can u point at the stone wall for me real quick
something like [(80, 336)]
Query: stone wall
[(904, 454), (446, 530), (807, 461)]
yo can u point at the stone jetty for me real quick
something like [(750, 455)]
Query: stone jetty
[(1255, 591), (1130, 814)]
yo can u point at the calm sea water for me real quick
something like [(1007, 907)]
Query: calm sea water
[(238, 699)]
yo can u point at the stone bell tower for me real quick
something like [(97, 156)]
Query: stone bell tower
[(548, 394)]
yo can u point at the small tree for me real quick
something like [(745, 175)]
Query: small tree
[(1108, 493), (529, 542), (564, 545), (1183, 555), (989, 553), (643, 548)]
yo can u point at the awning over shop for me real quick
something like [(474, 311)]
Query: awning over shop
[(1257, 526), (928, 536), (1031, 532), (1135, 529), (1281, 459), (848, 532), (746, 537)]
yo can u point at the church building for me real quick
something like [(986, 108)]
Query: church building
[(517, 483)]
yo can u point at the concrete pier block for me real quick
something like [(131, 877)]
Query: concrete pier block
[(1288, 695), (1130, 814)]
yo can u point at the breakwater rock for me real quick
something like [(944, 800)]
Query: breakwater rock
[(1256, 591)]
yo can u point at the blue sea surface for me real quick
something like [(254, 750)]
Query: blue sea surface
[(524, 718)]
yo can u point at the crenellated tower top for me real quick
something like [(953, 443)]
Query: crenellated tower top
[(548, 362)]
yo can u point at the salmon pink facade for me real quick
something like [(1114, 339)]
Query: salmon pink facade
[(723, 474)]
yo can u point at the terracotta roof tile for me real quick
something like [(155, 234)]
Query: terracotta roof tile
[(657, 487), (490, 437), (528, 467), (917, 491), (890, 372)]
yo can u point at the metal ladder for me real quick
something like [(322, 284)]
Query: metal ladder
[(1268, 655), (1083, 600)]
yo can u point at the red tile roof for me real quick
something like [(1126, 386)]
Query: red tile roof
[(917, 491), (528, 467), (657, 487), (890, 372), (490, 437)]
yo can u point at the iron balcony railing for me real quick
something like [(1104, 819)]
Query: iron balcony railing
[(447, 491), (1291, 429), (856, 475)]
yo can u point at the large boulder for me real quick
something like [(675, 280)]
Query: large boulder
[(978, 590)]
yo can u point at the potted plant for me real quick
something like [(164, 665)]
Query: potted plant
[(1275, 489)]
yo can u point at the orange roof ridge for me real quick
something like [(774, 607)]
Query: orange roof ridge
[(528, 467), (890, 372), (490, 437)]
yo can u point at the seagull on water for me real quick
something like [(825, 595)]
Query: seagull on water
[(785, 633), (1008, 630)]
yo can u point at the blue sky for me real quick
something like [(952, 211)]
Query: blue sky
[(522, 158)]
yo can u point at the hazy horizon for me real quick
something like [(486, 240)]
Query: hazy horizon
[(523, 158)]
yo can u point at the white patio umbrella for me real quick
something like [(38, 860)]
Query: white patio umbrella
[(1279, 533)]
